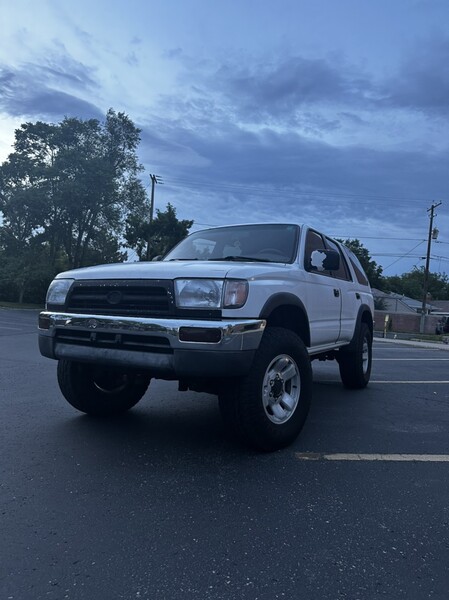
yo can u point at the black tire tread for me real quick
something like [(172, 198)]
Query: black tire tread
[(241, 403), (350, 363), (79, 391)]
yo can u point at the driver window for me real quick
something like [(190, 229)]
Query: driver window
[(313, 255)]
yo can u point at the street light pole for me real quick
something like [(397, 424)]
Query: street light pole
[(430, 210), (154, 180)]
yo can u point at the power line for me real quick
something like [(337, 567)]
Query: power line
[(404, 256)]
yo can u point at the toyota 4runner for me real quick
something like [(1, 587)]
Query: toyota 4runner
[(236, 311)]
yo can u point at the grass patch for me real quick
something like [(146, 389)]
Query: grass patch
[(4, 304), (431, 338)]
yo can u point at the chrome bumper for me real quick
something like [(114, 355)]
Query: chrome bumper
[(169, 348)]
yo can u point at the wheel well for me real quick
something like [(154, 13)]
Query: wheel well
[(292, 318), (368, 319)]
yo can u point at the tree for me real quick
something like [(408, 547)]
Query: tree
[(157, 238), (65, 194), (371, 268), (411, 284)]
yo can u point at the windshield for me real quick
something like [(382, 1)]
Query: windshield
[(267, 243)]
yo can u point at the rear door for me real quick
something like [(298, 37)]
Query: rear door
[(349, 293)]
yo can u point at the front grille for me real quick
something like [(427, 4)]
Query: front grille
[(122, 341), (145, 298)]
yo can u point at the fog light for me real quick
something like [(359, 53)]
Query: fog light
[(44, 322), (200, 334)]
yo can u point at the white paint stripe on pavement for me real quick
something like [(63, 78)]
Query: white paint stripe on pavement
[(378, 381), (407, 359), (420, 381), (373, 457)]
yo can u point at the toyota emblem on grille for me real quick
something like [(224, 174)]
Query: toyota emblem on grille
[(92, 323), (114, 297)]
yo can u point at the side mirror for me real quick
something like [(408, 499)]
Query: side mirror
[(324, 260)]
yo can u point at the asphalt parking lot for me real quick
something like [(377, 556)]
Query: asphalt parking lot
[(162, 504)]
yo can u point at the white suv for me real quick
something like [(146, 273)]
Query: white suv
[(238, 311)]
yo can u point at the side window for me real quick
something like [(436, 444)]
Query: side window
[(313, 255), (359, 272), (343, 271)]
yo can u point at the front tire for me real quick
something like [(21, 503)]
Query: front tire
[(98, 390), (267, 408), (355, 366)]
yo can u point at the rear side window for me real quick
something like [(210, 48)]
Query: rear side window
[(359, 272), (343, 271)]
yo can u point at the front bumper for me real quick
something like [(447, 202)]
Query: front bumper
[(168, 348)]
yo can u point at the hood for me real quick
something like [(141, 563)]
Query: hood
[(175, 270)]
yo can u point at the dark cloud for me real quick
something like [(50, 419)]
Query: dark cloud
[(132, 60), (354, 118), (289, 170), (173, 53), (34, 90), (62, 68), (298, 91), (281, 89), (422, 82), (251, 138), (261, 129)]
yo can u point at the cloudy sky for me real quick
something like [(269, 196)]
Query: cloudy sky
[(329, 112)]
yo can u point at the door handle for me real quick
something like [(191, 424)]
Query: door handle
[(336, 292), (357, 295)]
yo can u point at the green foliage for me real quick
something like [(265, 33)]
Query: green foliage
[(411, 284), (156, 238), (372, 269), (66, 192)]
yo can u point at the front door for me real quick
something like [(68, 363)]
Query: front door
[(324, 297)]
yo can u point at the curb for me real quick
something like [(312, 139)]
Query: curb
[(414, 343)]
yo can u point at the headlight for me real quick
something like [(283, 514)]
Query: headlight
[(57, 292), (198, 293), (210, 293)]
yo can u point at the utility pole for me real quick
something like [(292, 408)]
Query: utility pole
[(154, 180), (431, 212)]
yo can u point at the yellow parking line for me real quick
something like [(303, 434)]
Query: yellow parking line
[(373, 457)]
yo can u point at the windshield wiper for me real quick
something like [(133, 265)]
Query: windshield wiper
[(242, 258), (171, 259)]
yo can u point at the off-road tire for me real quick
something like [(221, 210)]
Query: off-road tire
[(100, 391), (355, 365), (245, 405)]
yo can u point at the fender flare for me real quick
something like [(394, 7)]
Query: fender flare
[(286, 299), (364, 309)]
